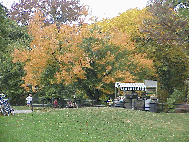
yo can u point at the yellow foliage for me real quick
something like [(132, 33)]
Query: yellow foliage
[(124, 76), (108, 79), (123, 27), (142, 61), (79, 72), (62, 45), (108, 68)]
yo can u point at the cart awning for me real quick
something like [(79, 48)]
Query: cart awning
[(131, 86)]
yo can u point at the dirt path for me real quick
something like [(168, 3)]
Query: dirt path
[(22, 111)]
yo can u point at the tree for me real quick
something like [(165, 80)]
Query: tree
[(82, 57), (181, 7), (54, 11), (167, 27), (42, 59), (177, 97), (11, 36), (167, 43), (123, 30)]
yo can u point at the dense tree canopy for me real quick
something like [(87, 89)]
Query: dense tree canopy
[(167, 42), (11, 36), (86, 60), (161, 31), (84, 56)]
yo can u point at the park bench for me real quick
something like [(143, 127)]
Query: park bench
[(43, 105), (99, 106)]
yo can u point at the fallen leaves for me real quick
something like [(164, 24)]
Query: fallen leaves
[(128, 121)]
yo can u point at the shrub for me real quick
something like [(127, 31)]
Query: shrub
[(184, 108), (177, 97)]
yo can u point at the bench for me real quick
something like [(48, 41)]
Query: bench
[(99, 105), (43, 105)]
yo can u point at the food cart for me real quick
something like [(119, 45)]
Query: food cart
[(136, 98)]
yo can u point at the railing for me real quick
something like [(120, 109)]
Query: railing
[(159, 107), (62, 103), (131, 104)]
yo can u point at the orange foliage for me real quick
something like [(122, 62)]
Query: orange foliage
[(125, 76), (122, 39), (62, 46), (45, 46), (108, 79), (142, 61)]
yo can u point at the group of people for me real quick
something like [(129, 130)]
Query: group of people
[(72, 105), (55, 104), (29, 101)]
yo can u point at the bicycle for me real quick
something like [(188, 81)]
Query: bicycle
[(5, 107)]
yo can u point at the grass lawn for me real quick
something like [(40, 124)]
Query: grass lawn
[(94, 124)]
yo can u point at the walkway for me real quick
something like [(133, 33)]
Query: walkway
[(22, 111)]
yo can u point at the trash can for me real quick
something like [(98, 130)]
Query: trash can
[(140, 104), (153, 106), (127, 104)]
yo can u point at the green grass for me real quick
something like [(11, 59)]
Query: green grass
[(94, 124)]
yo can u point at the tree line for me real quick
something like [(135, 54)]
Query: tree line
[(44, 53)]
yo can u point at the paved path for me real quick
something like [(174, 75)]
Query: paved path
[(22, 111)]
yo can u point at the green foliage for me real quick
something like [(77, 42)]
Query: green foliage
[(87, 60), (11, 36), (109, 63), (177, 97), (167, 43), (181, 7), (81, 95)]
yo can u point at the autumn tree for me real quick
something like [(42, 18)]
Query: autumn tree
[(167, 44), (161, 33), (85, 57), (41, 59), (123, 29), (112, 60), (54, 11)]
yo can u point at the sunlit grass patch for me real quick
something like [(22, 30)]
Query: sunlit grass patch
[(95, 124)]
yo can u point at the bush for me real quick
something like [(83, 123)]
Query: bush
[(184, 108), (177, 97)]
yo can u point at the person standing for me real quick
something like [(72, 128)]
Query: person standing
[(55, 103), (29, 100)]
